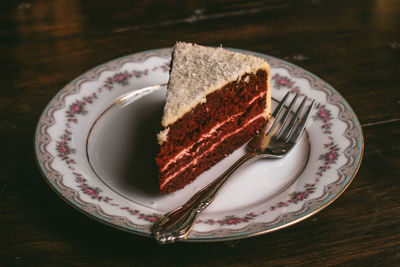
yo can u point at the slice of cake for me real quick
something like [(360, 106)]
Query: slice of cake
[(216, 101)]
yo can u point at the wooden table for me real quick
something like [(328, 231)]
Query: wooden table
[(353, 45)]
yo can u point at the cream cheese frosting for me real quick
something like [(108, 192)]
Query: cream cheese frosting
[(198, 71)]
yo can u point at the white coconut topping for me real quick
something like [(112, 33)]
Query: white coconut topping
[(162, 136), (198, 71)]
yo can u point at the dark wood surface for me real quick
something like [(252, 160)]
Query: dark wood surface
[(353, 45)]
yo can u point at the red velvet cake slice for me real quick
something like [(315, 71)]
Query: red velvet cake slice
[(216, 101)]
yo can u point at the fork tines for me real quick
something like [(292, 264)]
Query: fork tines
[(292, 130)]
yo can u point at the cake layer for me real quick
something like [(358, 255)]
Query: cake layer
[(258, 100), (231, 128), (230, 100), (219, 150), (215, 134)]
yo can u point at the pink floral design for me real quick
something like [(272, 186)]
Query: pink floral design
[(120, 78), (209, 221), (329, 157), (300, 196), (150, 218), (139, 73), (325, 116), (165, 67), (281, 82), (64, 150), (78, 107), (230, 220), (93, 192), (130, 211)]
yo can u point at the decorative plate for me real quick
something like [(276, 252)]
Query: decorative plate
[(95, 145)]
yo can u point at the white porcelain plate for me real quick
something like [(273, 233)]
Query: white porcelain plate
[(96, 142)]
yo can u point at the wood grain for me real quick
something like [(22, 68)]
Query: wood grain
[(353, 45)]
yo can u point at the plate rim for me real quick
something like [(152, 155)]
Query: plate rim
[(230, 234)]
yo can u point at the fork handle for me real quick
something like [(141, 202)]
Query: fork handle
[(177, 224)]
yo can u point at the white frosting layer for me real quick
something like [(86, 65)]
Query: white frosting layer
[(185, 152), (196, 159), (198, 71)]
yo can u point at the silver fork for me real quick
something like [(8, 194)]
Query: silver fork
[(277, 138)]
